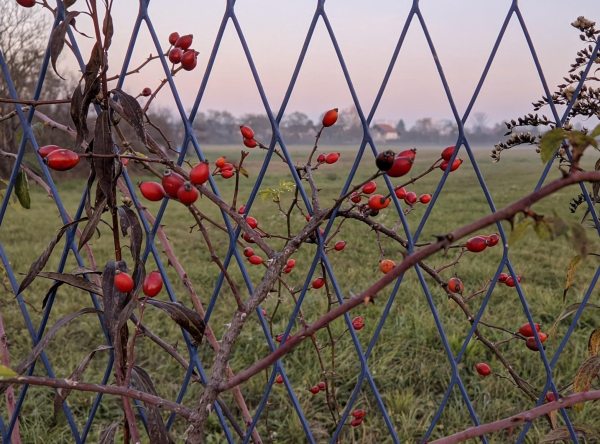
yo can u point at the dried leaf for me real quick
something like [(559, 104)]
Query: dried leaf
[(594, 342), (84, 270), (107, 436), (104, 168), (133, 112), (157, 432), (580, 241), (568, 311), (571, 274), (187, 319), (243, 171), (39, 348), (550, 142), (519, 231), (92, 224), (22, 190), (72, 280), (62, 394), (130, 226), (68, 3), (108, 30), (562, 433), (39, 264), (583, 378), (76, 105), (113, 300), (57, 39)]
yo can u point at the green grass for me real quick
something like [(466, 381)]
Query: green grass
[(409, 363)]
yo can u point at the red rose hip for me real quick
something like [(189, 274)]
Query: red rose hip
[(171, 182), (184, 42), (476, 244), (152, 191), (152, 284), (62, 160), (483, 369), (123, 282), (330, 117), (187, 194), (200, 173), (45, 150)]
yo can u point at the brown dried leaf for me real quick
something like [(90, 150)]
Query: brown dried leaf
[(62, 394), (562, 433), (108, 30), (105, 168), (130, 226), (91, 226), (107, 436), (571, 274), (187, 319), (57, 39), (583, 378), (113, 300), (133, 112), (594, 342)]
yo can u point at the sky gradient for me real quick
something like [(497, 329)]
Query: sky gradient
[(463, 32)]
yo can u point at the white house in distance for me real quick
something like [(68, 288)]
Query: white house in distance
[(384, 132)]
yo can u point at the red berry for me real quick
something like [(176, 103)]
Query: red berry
[(385, 160), (189, 60), (26, 3), (412, 153), (356, 422), (146, 92), (483, 369), (358, 325), (425, 198), (152, 284), (400, 193), (248, 252), (455, 285), (510, 282), (152, 191), (493, 240), (287, 270), (339, 246), (252, 222), (455, 165), (550, 397), (279, 337), (332, 158), (256, 260), (386, 265), (321, 158), (184, 42), (187, 194), (247, 132), (378, 202), (173, 37), (45, 150), (359, 413), (318, 283), (264, 312), (62, 160), (227, 174), (175, 55), (502, 277), (220, 162), (124, 161), (369, 187), (123, 282), (322, 385), (411, 198), (532, 344), (314, 390), (291, 263), (355, 197), (402, 166), (248, 238), (200, 173), (476, 244), (279, 379), (447, 153), (250, 143), (171, 182), (242, 209), (330, 117), (308, 218), (526, 330)]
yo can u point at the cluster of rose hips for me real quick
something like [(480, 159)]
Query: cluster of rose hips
[(508, 280), (181, 51), (479, 243), (527, 331), (226, 170), (317, 388), (58, 158), (174, 186), (152, 285), (358, 416)]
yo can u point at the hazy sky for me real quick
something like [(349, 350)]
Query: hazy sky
[(463, 32)]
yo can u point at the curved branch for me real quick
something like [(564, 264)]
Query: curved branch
[(408, 262)]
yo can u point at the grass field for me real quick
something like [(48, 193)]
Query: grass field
[(409, 364)]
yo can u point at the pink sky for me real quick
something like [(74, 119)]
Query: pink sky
[(462, 30)]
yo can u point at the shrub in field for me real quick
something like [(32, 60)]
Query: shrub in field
[(130, 293)]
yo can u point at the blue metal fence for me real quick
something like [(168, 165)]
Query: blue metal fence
[(230, 19)]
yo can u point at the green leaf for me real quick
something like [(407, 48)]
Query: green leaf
[(595, 132), (560, 226), (571, 274), (265, 194), (562, 433), (30, 161), (22, 190), (243, 171), (583, 378), (580, 241), (550, 142), (6, 372), (519, 231), (543, 230), (594, 342), (38, 128)]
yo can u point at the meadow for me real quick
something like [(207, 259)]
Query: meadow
[(408, 363)]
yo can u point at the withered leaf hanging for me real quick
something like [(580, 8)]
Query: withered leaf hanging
[(57, 39), (133, 112)]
